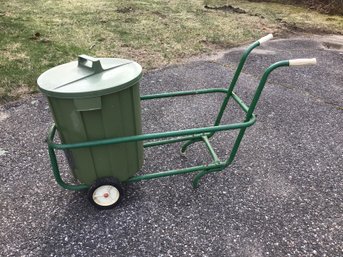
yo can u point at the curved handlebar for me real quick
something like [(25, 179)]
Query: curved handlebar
[(265, 39), (299, 62)]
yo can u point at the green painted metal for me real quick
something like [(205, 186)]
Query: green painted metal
[(173, 172), (97, 143), (249, 114), (197, 178), (189, 135), (210, 149), (240, 102), (95, 104), (169, 141), (143, 137), (188, 143), (234, 80), (184, 93), (229, 91), (57, 174), (261, 86)]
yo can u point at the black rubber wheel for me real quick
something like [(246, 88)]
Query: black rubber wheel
[(105, 193)]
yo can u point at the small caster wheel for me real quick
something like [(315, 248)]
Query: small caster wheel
[(105, 193)]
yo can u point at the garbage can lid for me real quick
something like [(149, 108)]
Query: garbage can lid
[(89, 77)]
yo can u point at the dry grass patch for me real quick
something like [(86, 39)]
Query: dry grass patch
[(37, 35)]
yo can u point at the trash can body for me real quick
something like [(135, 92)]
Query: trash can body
[(91, 103)]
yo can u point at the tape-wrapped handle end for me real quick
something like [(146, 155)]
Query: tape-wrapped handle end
[(265, 39), (301, 62)]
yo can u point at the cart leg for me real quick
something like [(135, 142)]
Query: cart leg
[(188, 143), (57, 174), (197, 178), (198, 138)]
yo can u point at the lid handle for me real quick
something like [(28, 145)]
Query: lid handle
[(90, 62)]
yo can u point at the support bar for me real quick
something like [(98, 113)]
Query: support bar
[(184, 93), (210, 149), (262, 84), (240, 102), (170, 141), (197, 178), (136, 138), (234, 80), (57, 174), (175, 172)]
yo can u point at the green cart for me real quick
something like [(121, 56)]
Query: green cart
[(106, 191)]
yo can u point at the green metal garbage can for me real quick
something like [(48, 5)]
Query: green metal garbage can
[(93, 99)]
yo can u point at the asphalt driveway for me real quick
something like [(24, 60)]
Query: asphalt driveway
[(281, 197)]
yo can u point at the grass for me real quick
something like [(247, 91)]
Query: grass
[(288, 16), (37, 35)]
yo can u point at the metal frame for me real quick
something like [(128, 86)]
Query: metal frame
[(189, 135)]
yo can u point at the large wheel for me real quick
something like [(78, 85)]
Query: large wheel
[(105, 193)]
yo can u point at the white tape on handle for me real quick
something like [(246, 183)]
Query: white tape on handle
[(299, 62), (266, 38)]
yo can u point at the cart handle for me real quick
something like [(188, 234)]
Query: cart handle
[(301, 62), (234, 80), (266, 75), (265, 39)]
